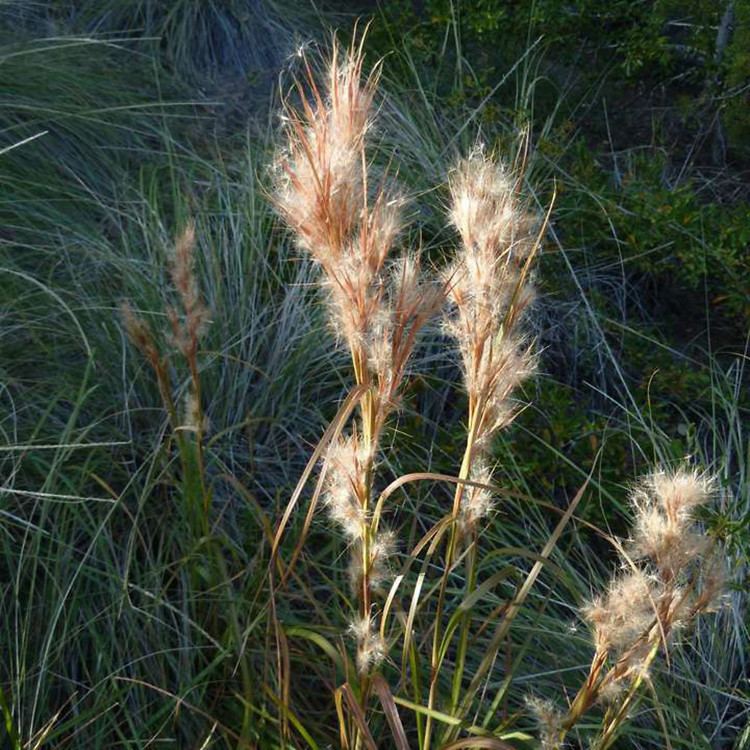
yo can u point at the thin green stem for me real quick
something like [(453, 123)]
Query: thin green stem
[(450, 554), (463, 645)]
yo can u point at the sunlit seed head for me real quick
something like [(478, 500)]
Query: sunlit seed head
[(625, 613), (382, 551), (345, 486), (371, 648), (477, 502), (664, 531), (677, 492)]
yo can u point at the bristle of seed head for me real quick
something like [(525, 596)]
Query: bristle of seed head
[(382, 550), (319, 178), (371, 648), (477, 502), (672, 576), (489, 288), (138, 331), (625, 612), (549, 719), (664, 532), (408, 303), (345, 486), (189, 327)]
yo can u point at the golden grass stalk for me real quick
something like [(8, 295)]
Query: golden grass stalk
[(489, 291), (188, 321), (671, 576), (349, 227)]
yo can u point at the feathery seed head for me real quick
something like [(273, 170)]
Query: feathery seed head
[(371, 648), (382, 550), (549, 719), (322, 192), (645, 607), (139, 332), (488, 287), (664, 504), (189, 326), (625, 613), (477, 502), (319, 178), (181, 266), (408, 303), (346, 486), (481, 201), (678, 492), (486, 210)]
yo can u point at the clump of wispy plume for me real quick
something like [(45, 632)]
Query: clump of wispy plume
[(549, 719), (672, 572), (189, 320), (377, 306), (489, 291), (371, 647), (664, 533), (190, 324), (346, 486), (320, 184), (321, 190)]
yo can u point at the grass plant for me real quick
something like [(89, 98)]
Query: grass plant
[(323, 183), (237, 534)]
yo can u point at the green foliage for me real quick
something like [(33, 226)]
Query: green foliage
[(630, 215), (631, 39), (737, 79), (627, 199)]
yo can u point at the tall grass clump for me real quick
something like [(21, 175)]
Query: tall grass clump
[(324, 190), (130, 530)]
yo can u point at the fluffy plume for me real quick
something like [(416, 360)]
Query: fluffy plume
[(489, 291), (625, 613), (664, 504), (346, 488), (322, 191), (381, 553), (549, 719), (320, 179), (489, 288), (189, 326), (371, 648), (477, 501), (349, 227), (679, 577), (673, 574), (139, 332)]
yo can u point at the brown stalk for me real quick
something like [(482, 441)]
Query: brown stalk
[(676, 558), (348, 229)]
